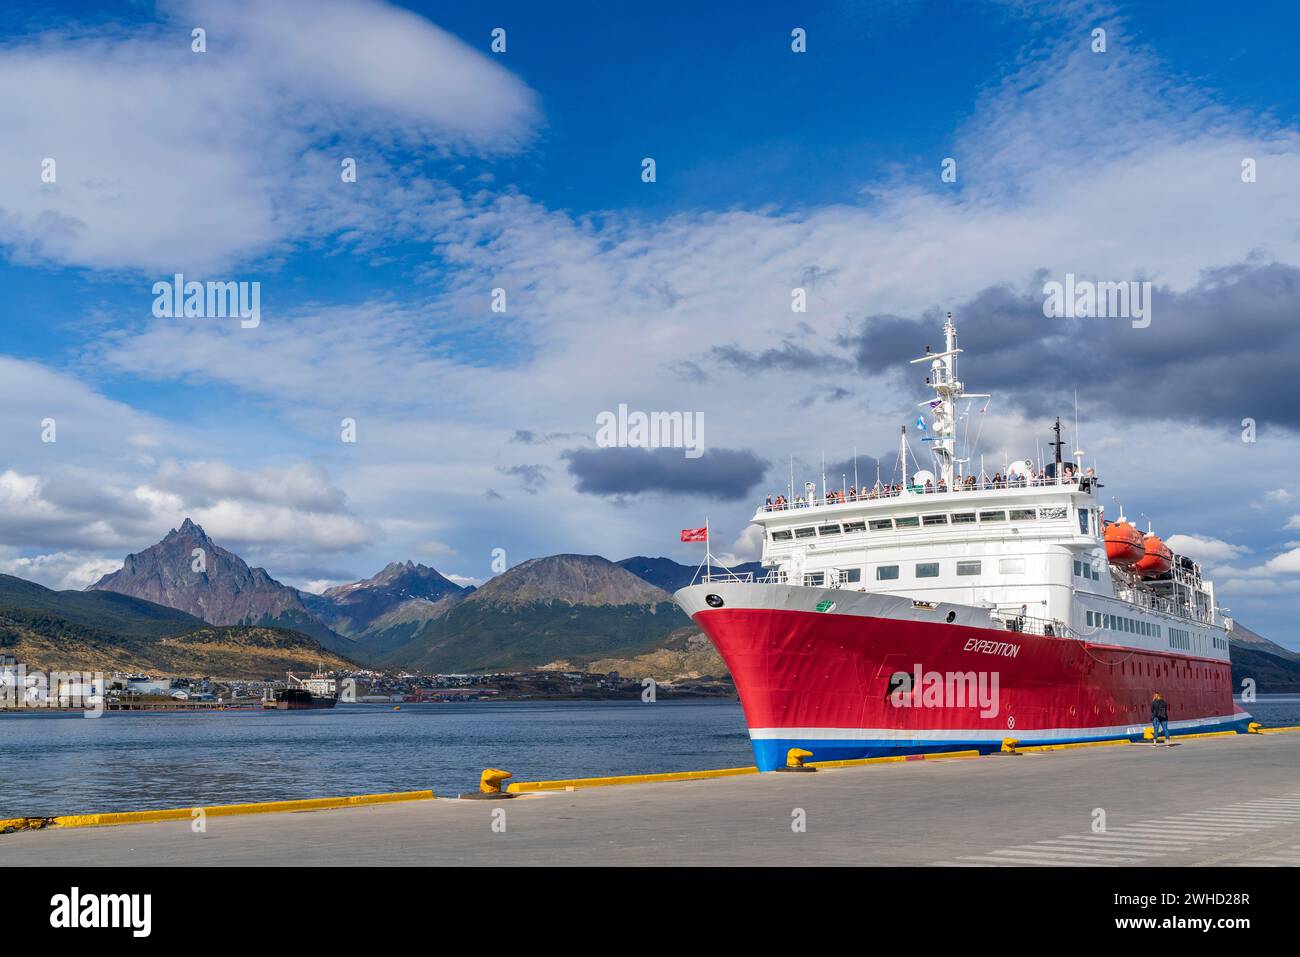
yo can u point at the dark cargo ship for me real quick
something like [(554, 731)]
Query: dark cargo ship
[(317, 692)]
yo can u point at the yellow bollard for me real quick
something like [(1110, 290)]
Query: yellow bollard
[(489, 786), (1148, 734), (794, 760), (1254, 728), (1009, 746)]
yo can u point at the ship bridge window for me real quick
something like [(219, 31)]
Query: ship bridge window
[(1023, 515), (993, 516), (805, 532), (1083, 521), (886, 573), (968, 568), (963, 518), (1011, 566), (854, 527), (881, 524), (1056, 511), (828, 529), (852, 575), (935, 519), (907, 521), (782, 535), (927, 569)]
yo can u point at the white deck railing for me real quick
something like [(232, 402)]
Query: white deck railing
[(884, 494)]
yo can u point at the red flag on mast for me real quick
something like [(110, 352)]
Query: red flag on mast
[(695, 534)]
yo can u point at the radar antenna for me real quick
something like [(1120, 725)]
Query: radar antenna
[(948, 389)]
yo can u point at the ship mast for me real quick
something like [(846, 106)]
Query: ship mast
[(948, 389)]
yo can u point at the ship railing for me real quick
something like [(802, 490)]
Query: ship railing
[(1025, 624), (873, 495), (726, 576), (1158, 603), (771, 578)]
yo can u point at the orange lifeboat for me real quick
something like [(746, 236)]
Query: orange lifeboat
[(1124, 545), (1156, 558)]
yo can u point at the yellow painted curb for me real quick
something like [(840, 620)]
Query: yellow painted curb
[(1295, 727), (893, 759), (525, 787), (228, 810), (1109, 742), (1207, 734)]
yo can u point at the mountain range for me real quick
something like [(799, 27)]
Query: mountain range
[(107, 631), (562, 611)]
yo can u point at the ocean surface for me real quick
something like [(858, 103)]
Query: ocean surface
[(53, 764)]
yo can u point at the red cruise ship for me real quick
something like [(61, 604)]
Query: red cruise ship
[(953, 609)]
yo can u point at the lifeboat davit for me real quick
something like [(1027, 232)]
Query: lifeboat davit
[(1124, 545), (1156, 558)]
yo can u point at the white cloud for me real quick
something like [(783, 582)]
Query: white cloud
[(1203, 549), (60, 570), (299, 486), (168, 159)]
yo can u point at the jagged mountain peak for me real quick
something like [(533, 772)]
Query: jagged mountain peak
[(189, 529), (217, 586)]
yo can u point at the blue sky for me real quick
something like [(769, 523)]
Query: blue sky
[(522, 171)]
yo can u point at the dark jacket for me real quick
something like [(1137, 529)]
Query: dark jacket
[(1160, 709)]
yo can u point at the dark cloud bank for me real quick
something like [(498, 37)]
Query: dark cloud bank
[(724, 474)]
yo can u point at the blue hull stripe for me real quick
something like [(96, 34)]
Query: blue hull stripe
[(769, 753)]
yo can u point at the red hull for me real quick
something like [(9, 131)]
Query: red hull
[(803, 676)]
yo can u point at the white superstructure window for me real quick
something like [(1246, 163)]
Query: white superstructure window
[(993, 516), (927, 569), (854, 527), (814, 579), (1011, 566), (828, 529), (968, 568), (782, 535), (805, 532), (881, 524), (963, 518), (935, 519), (907, 521), (886, 573), (1023, 515)]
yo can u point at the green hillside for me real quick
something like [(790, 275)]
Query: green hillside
[(480, 636)]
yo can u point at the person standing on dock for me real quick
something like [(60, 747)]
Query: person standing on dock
[(1159, 718)]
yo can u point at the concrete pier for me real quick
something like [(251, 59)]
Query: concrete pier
[(1213, 801)]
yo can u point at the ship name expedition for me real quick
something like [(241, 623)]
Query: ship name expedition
[(983, 646)]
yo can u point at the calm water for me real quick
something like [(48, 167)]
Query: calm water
[(59, 764), (53, 764)]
